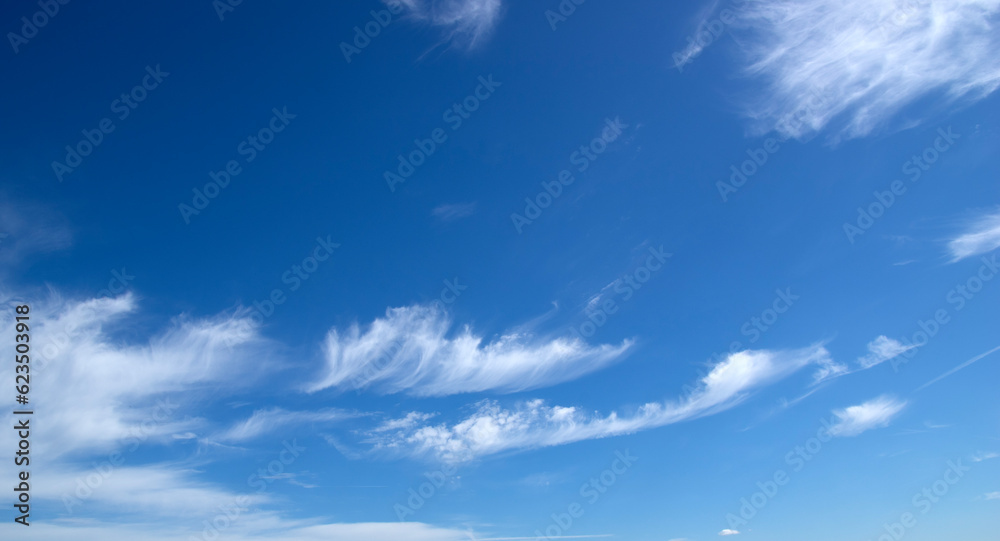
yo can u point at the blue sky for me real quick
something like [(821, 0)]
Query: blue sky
[(485, 269)]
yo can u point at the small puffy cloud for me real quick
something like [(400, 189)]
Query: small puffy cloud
[(882, 349), (876, 413), (727, 531), (981, 236)]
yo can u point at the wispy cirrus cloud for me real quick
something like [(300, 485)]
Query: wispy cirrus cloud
[(250, 526), (411, 420), (452, 212), (882, 349), (701, 33), (533, 424), (981, 236), (28, 228), (876, 413), (464, 22), (981, 456), (267, 421), (410, 350), (100, 389), (866, 59)]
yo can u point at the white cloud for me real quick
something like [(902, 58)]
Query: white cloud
[(982, 235), (409, 351), (979, 457), (99, 390), (156, 490), (697, 42), (255, 526), (882, 349), (992, 495), (467, 22), (450, 213), (412, 419), (875, 413), (494, 429), (857, 63), (266, 421), (727, 531), (97, 386), (828, 371)]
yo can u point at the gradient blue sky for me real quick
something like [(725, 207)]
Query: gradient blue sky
[(637, 356)]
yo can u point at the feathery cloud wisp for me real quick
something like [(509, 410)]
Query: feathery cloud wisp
[(266, 421), (102, 390), (875, 413), (882, 349), (979, 457), (865, 59), (27, 228), (533, 424), (409, 350), (982, 235), (466, 22)]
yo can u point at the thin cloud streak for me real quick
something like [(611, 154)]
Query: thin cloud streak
[(457, 211), (266, 421), (982, 236), (957, 368)]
